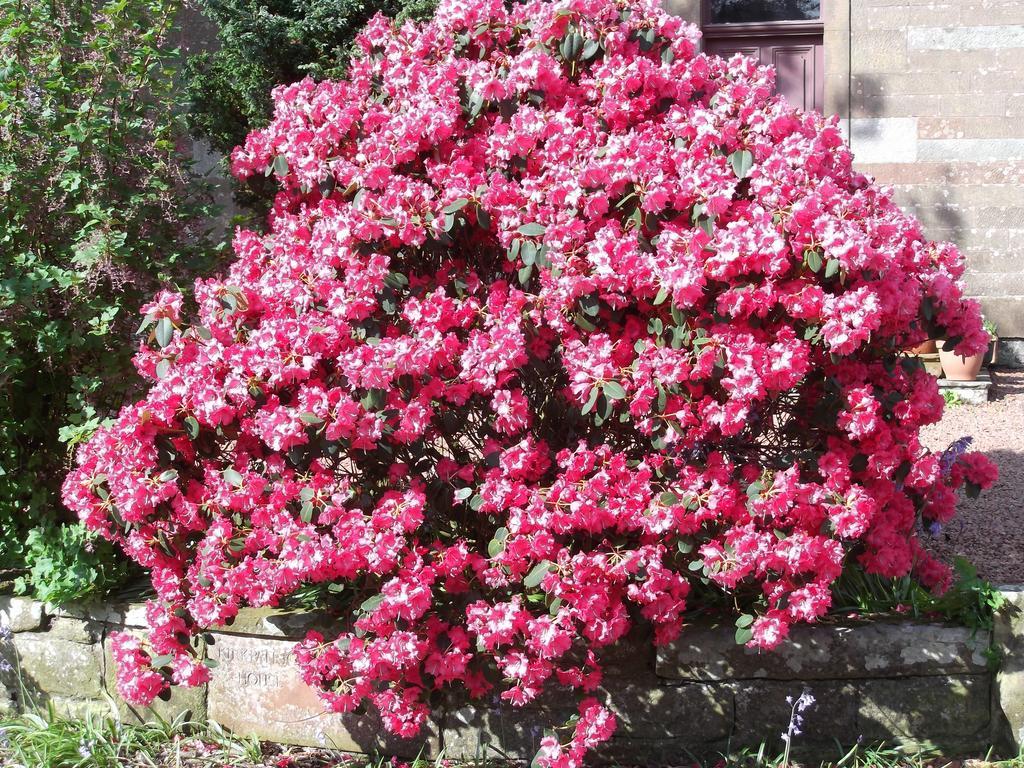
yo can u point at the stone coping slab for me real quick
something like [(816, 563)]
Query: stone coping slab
[(826, 651)]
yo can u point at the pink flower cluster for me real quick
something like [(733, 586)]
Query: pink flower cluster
[(555, 317)]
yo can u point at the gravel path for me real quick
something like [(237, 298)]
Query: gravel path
[(989, 530)]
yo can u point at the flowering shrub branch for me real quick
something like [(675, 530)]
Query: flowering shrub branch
[(555, 317)]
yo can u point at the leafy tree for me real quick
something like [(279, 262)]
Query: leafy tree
[(263, 43), (98, 206)]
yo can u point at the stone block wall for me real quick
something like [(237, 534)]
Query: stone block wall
[(931, 93), (902, 682)]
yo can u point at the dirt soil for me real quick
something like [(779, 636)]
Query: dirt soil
[(989, 530)]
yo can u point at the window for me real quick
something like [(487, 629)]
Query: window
[(761, 11), (784, 34)]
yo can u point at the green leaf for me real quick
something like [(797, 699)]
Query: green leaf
[(164, 332), (813, 259), (745, 620), (456, 205), (744, 635), (831, 267), (742, 160), (686, 547), (572, 46), (191, 427), (537, 574), (463, 493), (232, 475), (532, 230), (281, 166), (613, 390), (163, 368), (497, 545), (668, 498), (161, 661), (591, 400), (310, 418), (528, 253), (591, 305), (370, 604)]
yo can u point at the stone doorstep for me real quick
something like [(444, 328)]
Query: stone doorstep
[(970, 392)]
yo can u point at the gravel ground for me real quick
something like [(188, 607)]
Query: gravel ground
[(989, 530)]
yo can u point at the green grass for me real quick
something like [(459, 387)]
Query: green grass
[(50, 741), (35, 740)]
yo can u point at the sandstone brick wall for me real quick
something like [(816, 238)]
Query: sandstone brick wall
[(908, 683), (936, 107), (932, 96)]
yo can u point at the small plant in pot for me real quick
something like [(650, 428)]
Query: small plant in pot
[(992, 355), (959, 367)]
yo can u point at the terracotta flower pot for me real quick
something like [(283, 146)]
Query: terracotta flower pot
[(924, 348), (960, 368)]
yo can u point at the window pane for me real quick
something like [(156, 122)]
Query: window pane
[(746, 11)]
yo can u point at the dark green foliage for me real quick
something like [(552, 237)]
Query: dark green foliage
[(94, 216), (263, 43), (67, 561), (971, 601)]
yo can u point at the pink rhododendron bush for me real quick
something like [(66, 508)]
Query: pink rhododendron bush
[(556, 320)]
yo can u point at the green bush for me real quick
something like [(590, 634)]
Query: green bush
[(68, 561), (98, 209), (263, 43)]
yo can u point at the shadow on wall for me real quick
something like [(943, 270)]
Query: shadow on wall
[(665, 722), (880, 139)]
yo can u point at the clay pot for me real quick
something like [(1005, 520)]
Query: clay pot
[(924, 348), (959, 368)]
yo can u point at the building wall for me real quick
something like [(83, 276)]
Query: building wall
[(932, 96)]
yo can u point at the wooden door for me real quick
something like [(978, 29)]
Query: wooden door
[(785, 34)]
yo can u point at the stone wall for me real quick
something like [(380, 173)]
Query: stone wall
[(901, 682), (931, 93)]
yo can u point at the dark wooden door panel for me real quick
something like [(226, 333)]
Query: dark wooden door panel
[(726, 48), (796, 73), (798, 61)]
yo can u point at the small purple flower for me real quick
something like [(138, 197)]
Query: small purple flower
[(805, 701), (949, 456)]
